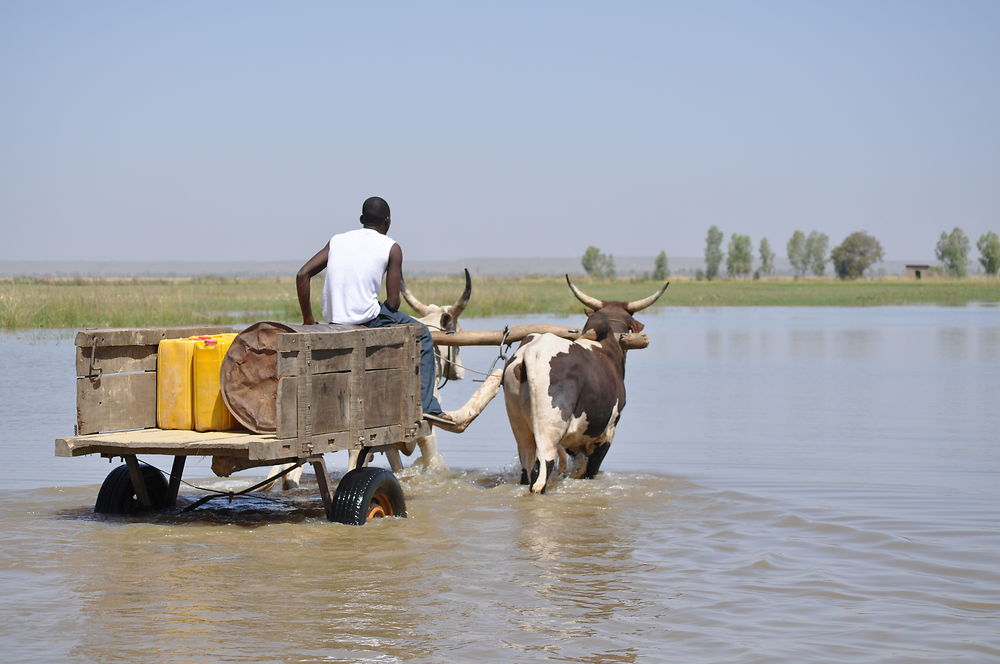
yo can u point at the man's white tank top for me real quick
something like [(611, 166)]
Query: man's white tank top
[(354, 271)]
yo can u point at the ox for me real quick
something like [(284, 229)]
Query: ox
[(447, 367), (565, 396)]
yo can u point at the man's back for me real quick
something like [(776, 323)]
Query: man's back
[(356, 264)]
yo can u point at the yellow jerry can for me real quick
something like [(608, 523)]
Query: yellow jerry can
[(210, 412), (175, 383)]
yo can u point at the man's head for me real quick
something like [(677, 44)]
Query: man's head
[(375, 214)]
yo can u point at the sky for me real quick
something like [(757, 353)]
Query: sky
[(254, 130)]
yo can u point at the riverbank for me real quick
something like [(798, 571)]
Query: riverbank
[(77, 303)]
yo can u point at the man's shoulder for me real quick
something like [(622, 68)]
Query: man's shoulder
[(361, 239)]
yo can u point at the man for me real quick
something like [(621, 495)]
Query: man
[(355, 263)]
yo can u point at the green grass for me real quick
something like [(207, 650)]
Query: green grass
[(78, 303)]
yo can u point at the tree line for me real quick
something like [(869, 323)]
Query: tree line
[(809, 254)]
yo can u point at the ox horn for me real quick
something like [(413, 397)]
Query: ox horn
[(588, 301), (418, 306), (463, 301), (639, 305)]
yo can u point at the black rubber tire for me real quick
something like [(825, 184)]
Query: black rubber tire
[(117, 496), (367, 493)]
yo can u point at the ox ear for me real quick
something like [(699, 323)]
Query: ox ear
[(447, 322), (589, 312), (601, 329), (634, 325)]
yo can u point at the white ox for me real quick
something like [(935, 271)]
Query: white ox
[(566, 396), (436, 318)]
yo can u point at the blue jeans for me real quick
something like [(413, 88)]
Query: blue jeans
[(387, 318)]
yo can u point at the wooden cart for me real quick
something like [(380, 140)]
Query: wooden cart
[(336, 390)]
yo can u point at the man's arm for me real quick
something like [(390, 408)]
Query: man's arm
[(313, 266), (393, 277)]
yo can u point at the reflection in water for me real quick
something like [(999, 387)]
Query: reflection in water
[(807, 344), (713, 344), (740, 344), (857, 344), (988, 346), (953, 343)]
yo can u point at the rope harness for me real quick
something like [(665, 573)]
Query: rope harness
[(447, 360)]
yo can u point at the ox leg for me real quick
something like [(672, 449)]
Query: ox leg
[(429, 455), (595, 460), (395, 461), (525, 437), (289, 481), (352, 459), (527, 453), (540, 476)]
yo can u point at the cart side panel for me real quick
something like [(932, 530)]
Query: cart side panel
[(348, 385), (114, 402), (116, 376)]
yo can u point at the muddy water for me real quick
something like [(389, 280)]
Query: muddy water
[(807, 485)]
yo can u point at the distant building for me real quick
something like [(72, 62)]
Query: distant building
[(917, 272)]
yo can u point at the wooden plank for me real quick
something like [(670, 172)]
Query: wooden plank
[(287, 363), (116, 402), (384, 397), (292, 341), (413, 384), (323, 480), (378, 436), (374, 437), (148, 336), (176, 472), (114, 359), (305, 410), (384, 356), (177, 443), (296, 341), (331, 360), (138, 482), (266, 448), (287, 416), (519, 332), (356, 407), (331, 398)]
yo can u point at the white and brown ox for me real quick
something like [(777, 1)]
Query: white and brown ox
[(565, 396), (435, 317)]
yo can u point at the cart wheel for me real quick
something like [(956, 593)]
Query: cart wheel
[(367, 493), (118, 497)]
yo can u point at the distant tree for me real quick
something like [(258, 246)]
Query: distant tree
[(855, 254), (660, 269), (816, 246), (953, 252), (739, 261), (597, 264), (591, 261), (766, 258), (797, 254), (989, 252), (713, 252)]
